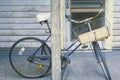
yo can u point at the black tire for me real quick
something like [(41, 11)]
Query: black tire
[(22, 52), (101, 60)]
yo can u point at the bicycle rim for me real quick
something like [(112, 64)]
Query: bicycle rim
[(22, 50)]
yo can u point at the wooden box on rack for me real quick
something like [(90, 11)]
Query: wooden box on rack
[(95, 35)]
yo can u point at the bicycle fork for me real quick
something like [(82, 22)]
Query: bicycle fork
[(100, 58)]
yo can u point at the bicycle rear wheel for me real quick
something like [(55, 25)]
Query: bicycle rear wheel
[(101, 60), (30, 57)]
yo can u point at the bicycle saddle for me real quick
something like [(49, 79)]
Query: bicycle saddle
[(43, 17)]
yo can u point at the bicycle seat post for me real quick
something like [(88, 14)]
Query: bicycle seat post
[(48, 26)]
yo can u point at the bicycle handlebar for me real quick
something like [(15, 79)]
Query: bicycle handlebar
[(87, 19)]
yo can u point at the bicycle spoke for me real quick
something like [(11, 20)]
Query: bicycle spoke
[(29, 59)]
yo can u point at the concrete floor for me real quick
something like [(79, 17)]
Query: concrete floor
[(83, 67)]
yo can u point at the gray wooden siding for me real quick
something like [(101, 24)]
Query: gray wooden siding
[(116, 26), (18, 19)]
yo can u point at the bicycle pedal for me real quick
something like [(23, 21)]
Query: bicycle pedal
[(84, 46)]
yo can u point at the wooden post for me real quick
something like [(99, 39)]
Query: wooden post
[(56, 39), (109, 16), (62, 13)]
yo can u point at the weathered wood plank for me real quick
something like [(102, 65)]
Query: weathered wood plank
[(116, 2), (24, 8), (18, 20), (15, 38), (109, 15), (6, 44), (9, 44), (84, 10), (56, 38), (24, 2), (23, 27), (116, 14), (116, 8), (63, 25), (19, 14), (116, 44), (116, 20), (116, 39), (116, 32), (116, 26), (22, 32)]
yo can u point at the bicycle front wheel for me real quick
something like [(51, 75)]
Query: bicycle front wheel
[(30, 57)]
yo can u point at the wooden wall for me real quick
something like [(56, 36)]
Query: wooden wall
[(116, 25), (18, 19)]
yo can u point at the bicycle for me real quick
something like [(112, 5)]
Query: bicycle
[(30, 57)]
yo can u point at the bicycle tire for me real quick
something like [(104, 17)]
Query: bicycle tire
[(101, 60), (21, 64)]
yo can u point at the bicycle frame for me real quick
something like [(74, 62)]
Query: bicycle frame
[(64, 50)]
